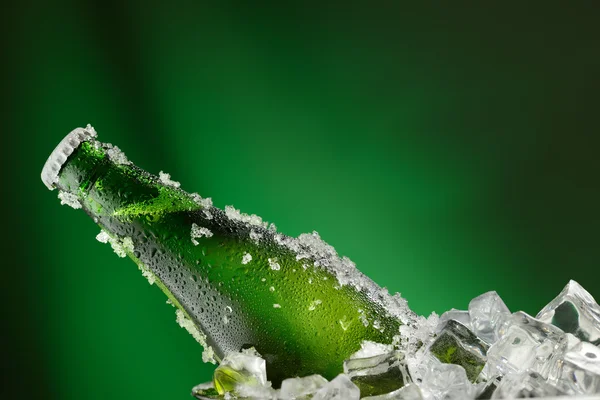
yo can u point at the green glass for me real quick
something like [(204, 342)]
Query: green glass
[(236, 283)]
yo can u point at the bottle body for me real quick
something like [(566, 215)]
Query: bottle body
[(236, 282)]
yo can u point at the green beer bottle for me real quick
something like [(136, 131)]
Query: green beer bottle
[(235, 281)]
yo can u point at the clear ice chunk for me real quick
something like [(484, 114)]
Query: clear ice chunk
[(340, 388), (448, 382), (298, 388), (408, 392), (240, 368), (487, 313), (574, 311), (524, 385), (378, 374), (525, 343), (579, 371), (420, 365), (461, 316), (572, 340), (456, 344)]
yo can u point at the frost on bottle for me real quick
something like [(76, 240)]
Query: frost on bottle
[(235, 281)]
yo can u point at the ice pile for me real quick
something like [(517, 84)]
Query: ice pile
[(485, 352)]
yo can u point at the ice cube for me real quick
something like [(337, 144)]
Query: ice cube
[(572, 340), (408, 392), (524, 384), (340, 388), (378, 374), (456, 344), (525, 343), (579, 371), (239, 368), (487, 313), (461, 316), (574, 311), (297, 388), (420, 365), (448, 382)]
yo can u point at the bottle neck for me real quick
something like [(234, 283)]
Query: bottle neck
[(148, 219), (108, 186)]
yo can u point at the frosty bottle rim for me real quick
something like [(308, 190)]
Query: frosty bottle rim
[(61, 153)]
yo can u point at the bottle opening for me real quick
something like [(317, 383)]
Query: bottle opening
[(60, 154)]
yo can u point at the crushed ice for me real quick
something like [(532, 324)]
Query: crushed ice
[(166, 180), (274, 264), (246, 258), (208, 355), (69, 199), (116, 155), (198, 232), (255, 236), (120, 246), (235, 215)]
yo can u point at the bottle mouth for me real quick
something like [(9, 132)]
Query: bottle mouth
[(62, 152)]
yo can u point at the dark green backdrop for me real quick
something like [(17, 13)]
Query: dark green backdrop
[(448, 152)]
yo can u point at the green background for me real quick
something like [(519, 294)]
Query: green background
[(448, 152)]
